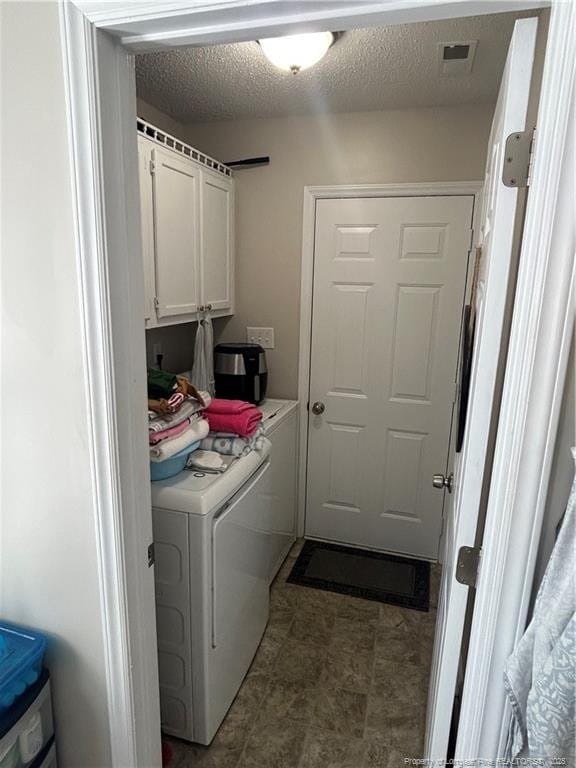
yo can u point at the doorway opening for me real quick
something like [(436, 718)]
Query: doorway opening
[(390, 270)]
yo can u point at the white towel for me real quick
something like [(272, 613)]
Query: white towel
[(540, 676), (168, 448), (199, 373), (203, 366), (209, 354)]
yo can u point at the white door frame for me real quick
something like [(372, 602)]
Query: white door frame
[(108, 234), (349, 191)]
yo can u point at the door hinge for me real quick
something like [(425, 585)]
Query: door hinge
[(471, 240), (468, 565), (151, 555), (152, 167), (156, 302), (518, 158)]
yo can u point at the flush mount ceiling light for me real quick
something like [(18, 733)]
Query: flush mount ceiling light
[(295, 52)]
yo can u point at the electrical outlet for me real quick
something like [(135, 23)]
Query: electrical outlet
[(262, 336)]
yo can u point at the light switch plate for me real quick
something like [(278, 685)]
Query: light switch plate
[(262, 336)]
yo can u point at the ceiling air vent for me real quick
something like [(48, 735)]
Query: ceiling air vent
[(456, 59)]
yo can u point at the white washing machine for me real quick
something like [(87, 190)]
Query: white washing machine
[(212, 548)]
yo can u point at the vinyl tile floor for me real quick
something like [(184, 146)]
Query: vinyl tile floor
[(337, 682)]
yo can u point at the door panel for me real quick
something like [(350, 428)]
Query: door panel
[(176, 234), (349, 362), (241, 546), (414, 334), (240, 573), (389, 282)]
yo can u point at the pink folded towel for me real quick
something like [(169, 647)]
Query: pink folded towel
[(244, 421), (166, 434), (229, 406)]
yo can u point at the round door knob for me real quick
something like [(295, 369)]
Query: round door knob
[(318, 408), (441, 482)]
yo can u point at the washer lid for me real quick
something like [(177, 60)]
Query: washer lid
[(199, 493)]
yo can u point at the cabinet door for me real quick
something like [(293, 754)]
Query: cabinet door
[(217, 268), (176, 228), (147, 225)]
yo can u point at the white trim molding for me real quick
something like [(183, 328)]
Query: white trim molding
[(83, 120), (542, 323), (311, 195), (148, 25)]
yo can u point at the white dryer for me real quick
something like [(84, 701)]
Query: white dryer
[(212, 549)]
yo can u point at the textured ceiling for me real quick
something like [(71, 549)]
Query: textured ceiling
[(366, 69)]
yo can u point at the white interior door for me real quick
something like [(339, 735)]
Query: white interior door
[(176, 232), (389, 282), (498, 218)]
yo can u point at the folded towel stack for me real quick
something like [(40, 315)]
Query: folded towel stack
[(177, 426), (233, 417), (235, 428), (170, 446)]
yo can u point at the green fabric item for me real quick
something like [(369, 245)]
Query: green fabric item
[(160, 384)]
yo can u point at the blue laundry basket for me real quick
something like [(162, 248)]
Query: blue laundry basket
[(162, 470), (21, 655)]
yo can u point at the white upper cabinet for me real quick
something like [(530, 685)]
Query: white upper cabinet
[(187, 236), (176, 231), (216, 266)]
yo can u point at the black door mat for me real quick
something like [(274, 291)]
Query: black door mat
[(376, 576)]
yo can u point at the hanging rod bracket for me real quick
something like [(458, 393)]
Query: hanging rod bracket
[(249, 162)]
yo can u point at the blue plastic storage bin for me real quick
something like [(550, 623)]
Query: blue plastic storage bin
[(162, 470), (21, 655)]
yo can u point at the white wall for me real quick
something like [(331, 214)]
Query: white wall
[(160, 119), (177, 343), (48, 568), (444, 144)]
